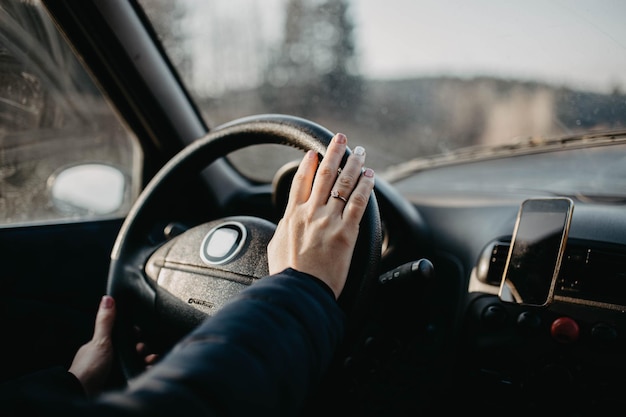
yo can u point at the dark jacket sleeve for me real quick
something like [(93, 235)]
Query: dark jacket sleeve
[(261, 354), (41, 386)]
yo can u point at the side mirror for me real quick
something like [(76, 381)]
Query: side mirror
[(88, 189)]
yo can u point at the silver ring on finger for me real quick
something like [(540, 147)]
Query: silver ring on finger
[(335, 194)]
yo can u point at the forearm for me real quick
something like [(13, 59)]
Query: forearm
[(263, 354)]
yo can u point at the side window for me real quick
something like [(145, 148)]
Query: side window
[(64, 154)]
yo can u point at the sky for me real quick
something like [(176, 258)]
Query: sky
[(583, 40)]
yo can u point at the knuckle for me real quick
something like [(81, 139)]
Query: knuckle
[(346, 179), (359, 198), (299, 177), (324, 171)]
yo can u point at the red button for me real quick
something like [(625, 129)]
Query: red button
[(565, 330)]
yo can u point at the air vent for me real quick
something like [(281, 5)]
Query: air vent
[(591, 271), (492, 262), (594, 273)]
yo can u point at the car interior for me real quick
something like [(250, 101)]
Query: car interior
[(489, 278)]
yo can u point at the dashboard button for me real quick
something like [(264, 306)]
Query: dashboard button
[(603, 332), (565, 330), (494, 315), (528, 320)]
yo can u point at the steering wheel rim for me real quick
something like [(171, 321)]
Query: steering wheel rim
[(133, 290)]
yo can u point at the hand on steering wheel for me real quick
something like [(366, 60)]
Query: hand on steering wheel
[(334, 201)]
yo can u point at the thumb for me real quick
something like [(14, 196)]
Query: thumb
[(105, 318)]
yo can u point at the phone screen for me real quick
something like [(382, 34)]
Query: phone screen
[(536, 251)]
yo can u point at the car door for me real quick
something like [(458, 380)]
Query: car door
[(71, 166)]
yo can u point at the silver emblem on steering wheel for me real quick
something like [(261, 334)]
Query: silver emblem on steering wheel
[(223, 243)]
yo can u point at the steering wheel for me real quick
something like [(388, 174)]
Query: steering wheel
[(178, 283)]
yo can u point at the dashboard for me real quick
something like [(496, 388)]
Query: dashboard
[(565, 357)]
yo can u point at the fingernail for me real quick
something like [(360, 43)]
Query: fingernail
[(359, 150), (369, 172), (310, 154), (106, 302), (341, 138)]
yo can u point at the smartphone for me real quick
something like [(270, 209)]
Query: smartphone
[(536, 251)]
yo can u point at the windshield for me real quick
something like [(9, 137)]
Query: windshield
[(406, 78)]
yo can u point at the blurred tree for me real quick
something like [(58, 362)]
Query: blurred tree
[(317, 56)]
